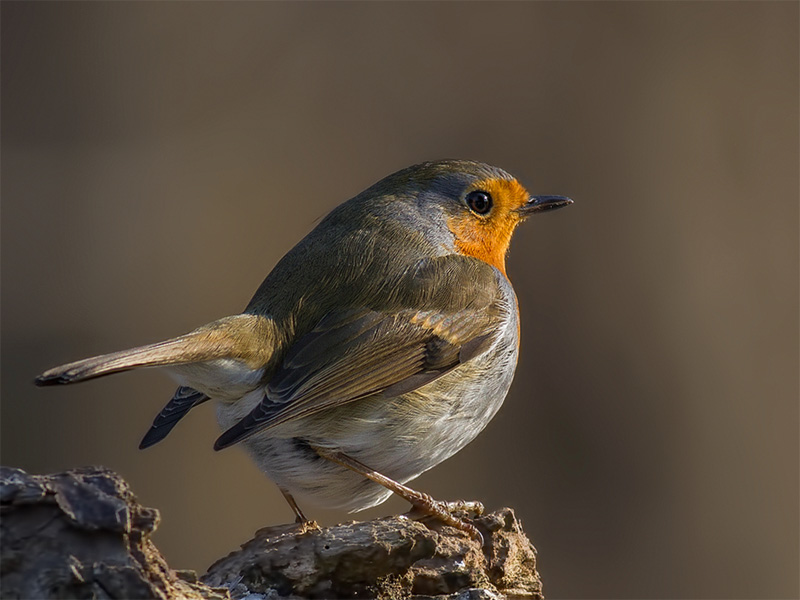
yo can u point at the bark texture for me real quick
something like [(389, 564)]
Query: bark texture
[(82, 534)]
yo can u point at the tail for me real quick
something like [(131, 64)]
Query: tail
[(249, 338)]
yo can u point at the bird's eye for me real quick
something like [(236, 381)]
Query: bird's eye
[(479, 202)]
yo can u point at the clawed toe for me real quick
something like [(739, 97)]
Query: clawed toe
[(306, 526), (454, 514), (473, 508)]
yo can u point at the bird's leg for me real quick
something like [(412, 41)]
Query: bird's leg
[(299, 516), (419, 500)]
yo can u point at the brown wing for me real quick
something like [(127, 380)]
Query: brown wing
[(356, 353)]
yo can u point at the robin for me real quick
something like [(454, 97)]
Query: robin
[(379, 346)]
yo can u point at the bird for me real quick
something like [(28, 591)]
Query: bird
[(379, 346)]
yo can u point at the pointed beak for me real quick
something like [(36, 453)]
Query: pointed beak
[(539, 204)]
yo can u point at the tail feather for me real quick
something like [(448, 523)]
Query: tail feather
[(249, 338), (158, 354)]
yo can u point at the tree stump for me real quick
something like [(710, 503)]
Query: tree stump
[(82, 534)]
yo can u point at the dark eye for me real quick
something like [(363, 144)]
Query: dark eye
[(479, 202)]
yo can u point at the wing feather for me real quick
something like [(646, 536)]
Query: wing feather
[(356, 353), (182, 402)]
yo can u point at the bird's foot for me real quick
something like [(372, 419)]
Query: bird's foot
[(306, 526), (455, 514)]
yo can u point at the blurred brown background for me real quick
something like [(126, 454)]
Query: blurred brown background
[(159, 158)]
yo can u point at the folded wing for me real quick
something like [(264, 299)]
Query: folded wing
[(355, 353)]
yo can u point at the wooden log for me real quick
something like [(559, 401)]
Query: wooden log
[(82, 534)]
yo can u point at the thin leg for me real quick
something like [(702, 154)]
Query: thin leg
[(299, 516), (421, 501)]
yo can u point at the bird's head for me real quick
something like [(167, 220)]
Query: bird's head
[(479, 205)]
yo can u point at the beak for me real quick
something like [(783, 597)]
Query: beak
[(539, 204)]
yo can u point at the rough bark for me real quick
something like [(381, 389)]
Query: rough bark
[(82, 534)]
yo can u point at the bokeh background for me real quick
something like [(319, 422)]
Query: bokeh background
[(159, 158)]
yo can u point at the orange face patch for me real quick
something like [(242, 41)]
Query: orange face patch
[(487, 237)]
